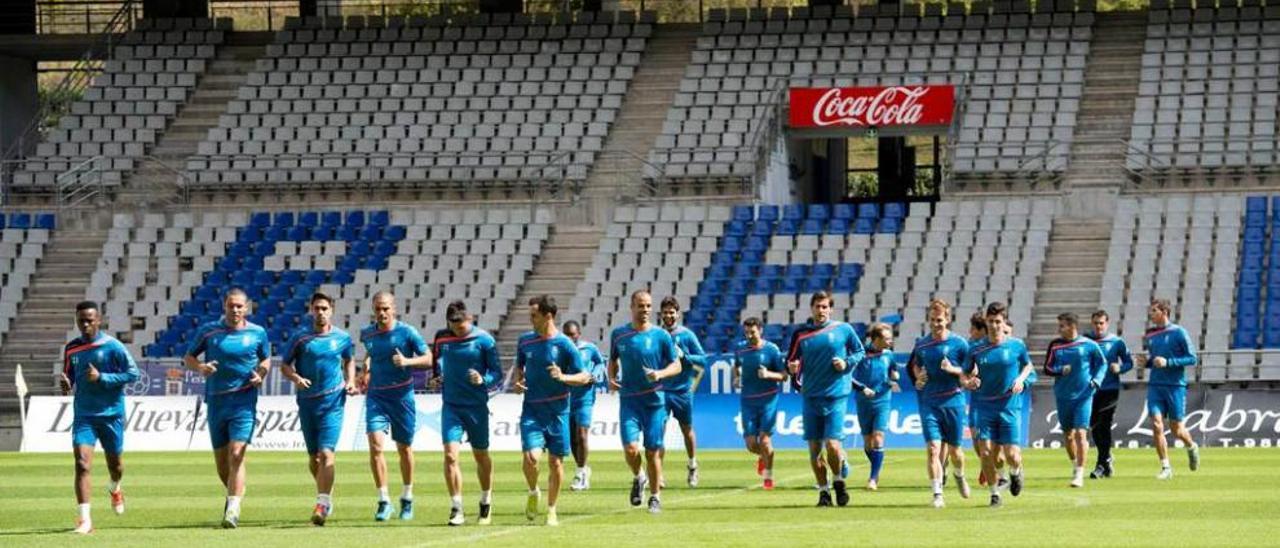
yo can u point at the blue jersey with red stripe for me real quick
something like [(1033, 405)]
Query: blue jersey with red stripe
[(1172, 343), (320, 358), (942, 389), (534, 354), (116, 368), (592, 362), (750, 360), (816, 346), (873, 372), (636, 352), (1088, 366), (380, 345), (456, 356), (1116, 351), (694, 356), (237, 351), (998, 365)]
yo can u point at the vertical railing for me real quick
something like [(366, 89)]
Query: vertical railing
[(72, 84)]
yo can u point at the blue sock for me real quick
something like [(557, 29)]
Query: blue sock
[(876, 456)]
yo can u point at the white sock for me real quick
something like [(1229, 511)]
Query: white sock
[(551, 509), (1016, 471), (586, 471), (995, 489), (535, 492), (640, 476), (1164, 463), (456, 502), (407, 493), (958, 476), (768, 474), (324, 499), (656, 496), (693, 462), (84, 511), (1002, 474), (486, 497), (233, 504), (113, 486), (1077, 470), (382, 494), (825, 487), (1193, 446), (937, 486)]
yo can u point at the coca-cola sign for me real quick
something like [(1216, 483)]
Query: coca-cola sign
[(872, 107)]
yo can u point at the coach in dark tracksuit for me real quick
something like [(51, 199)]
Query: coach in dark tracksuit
[(1119, 361)]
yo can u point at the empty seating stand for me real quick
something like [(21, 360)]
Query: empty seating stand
[(23, 236), (143, 85), (161, 276), (1019, 77), (1209, 91), (766, 260), (426, 100)]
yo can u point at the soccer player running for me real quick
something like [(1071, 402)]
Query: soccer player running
[(936, 366), (582, 401), (640, 356), (679, 389), (874, 381), (1107, 398), (1078, 365), (320, 363), (237, 356), (392, 349), (821, 359), (757, 371), (1169, 353), (998, 371), (97, 367), (467, 367), (547, 365)]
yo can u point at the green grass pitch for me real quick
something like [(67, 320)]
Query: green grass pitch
[(175, 499)]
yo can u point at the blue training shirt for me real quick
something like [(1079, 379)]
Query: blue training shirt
[(815, 346), (1087, 363), (534, 354), (873, 372), (320, 358), (1116, 351), (457, 356), (694, 355), (116, 368), (1172, 343), (637, 351), (998, 365), (942, 389), (592, 362), (749, 360), (381, 345), (237, 351)]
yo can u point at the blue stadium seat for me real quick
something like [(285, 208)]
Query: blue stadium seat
[(1256, 204), (348, 233), (794, 212), (890, 225), (275, 233), (788, 227), (864, 226), (2, 220), (762, 229), (355, 218), (371, 233), (737, 227), (323, 233), (895, 210), (813, 227), (394, 233), (308, 219), (838, 226), (20, 220), (767, 212), (331, 218), (844, 211), (284, 218), (380, 218), (47, 221), (744, 213), (819, 211), (260, 219), (868, 211), (299, 233)]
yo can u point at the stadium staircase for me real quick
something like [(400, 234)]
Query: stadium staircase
[(1106, 109), (35, 339), (563, 262), (153, 181), (1072, 277), (619, 169)]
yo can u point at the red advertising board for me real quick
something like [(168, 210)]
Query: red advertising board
[(872, 107)]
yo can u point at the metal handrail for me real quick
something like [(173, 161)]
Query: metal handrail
[(81, 183), (650, 184), (76, 79), (182, 182), (1148, 160)]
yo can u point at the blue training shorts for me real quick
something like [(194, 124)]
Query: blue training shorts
[(1169, 402), (545, 426), (1000, 425), (647, 419), (232, 417), (1075, 414), (680, 406), (943, 424), (90, 430), (759, 415), (873, 413), (392, 410), (321, 420), (824, 418)]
